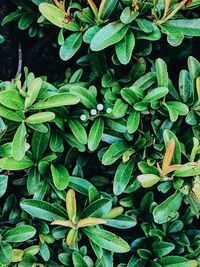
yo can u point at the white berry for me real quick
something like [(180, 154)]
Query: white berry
[(83, 117), (93, 111), (109, 110), (100, 107)]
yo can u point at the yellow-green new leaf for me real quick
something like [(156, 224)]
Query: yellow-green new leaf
[(40, 117), (8, 114), (13, 165), (71, 237), (62, 223), (33, 91), (55, 15), (19, 143), (11, 99), (71, 205), (148, 180), (90, 221)]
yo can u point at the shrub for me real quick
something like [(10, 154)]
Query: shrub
[(100, 163)]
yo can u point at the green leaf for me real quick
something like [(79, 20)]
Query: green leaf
[(42, 210), (122, 176), (55, 15), (161, 73), (70, 46), (133, 121), (85, 96), (174, 261), (40, 117), (33, 180), (185, 89), (80, 185), (174, 36), (33, 91), (11, 99), (110, 34), (19, 143), (168, 209), (61, 99), (2, 39), (108, 9), (78, 130), (19, 234), (173, 113), (25, 21), (107, 240), (97, 208), (6, 253), (90, 33), (3, 184), (122, 222), (129, 96), (56, 142), (161, 248), (39, 144), (78, 260), (14, 165), (114, 152), (120, 108), (128, 15), (156, 94), (181, 108), (60, 176), (6, 113), (124, 48), (95, 134), (148, 180), (189, 27)]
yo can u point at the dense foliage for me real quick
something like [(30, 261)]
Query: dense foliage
[(99, 157)]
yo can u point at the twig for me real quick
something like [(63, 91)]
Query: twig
[(19, 69)]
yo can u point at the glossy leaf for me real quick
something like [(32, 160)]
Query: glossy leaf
[(95, 134), (53, 14), (42, 210), (167, 209), (70, 46), (110, 34), (19, 234), (107, 240), (60, 176)]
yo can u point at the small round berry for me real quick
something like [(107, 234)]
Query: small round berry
[(109, 110), (100, 107), (93, 111), (83, 117)]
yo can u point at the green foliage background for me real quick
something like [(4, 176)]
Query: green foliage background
[(99, 134)]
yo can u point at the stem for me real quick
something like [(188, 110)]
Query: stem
[(178, 7), (101, 8), (167, 5), (93, 7), (19, 69)]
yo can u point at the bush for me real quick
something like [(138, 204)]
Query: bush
[(100, 157)]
